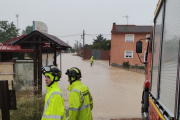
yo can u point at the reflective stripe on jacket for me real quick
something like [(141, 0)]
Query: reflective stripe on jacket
[(80, 102), (54, 104)]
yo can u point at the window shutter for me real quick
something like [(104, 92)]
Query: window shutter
[(169, 58), (129, 38)]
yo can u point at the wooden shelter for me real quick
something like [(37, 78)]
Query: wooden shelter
[(40, 43)]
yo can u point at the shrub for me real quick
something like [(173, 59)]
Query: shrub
[(126, 64), (133, 66), (114, 64), (141, 67)]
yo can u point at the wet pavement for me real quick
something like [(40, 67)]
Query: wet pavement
[(116, 92)]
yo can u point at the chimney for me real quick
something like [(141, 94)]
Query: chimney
[(114, 27)]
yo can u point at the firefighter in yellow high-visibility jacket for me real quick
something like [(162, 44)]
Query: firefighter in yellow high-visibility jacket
[(54, 103), (80, 98), (91, 60)]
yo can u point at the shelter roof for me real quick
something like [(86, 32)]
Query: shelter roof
[(34, 36)]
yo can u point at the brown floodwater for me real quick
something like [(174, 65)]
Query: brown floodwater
[(116, 92)]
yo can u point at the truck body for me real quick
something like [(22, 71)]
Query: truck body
[(161, 93)]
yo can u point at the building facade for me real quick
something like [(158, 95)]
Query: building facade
[(123, 43)]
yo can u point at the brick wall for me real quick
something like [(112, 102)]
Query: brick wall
[(105, 54), (119, 46), (87, 54)]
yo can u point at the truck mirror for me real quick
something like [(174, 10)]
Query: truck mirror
[(139, 47)]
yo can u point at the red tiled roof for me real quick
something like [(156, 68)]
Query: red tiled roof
[(11, 48), (13, 39)]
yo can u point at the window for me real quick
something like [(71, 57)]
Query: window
[(148, 35), (129, 38), (128, 54), (145, 56)]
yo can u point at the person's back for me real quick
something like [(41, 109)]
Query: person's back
[(91, 60), (80, 100)]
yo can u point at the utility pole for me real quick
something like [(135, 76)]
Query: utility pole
[(67, 48), (83, 42), (126, 18), (77, 46), (83, 37), (17, 21)]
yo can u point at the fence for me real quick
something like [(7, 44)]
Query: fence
[(97, 54), (129, 68), (29, 106)]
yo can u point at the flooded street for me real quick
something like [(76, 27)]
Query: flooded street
[(116, 92)]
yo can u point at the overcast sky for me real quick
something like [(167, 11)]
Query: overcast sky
[(71, 17)]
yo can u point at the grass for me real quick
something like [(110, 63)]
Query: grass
[(28, 106)]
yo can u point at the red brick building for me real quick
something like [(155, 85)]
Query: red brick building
[(123, 43)]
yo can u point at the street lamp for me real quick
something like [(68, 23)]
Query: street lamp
[(109, 46), (17, 20)]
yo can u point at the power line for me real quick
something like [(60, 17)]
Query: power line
[(92, 35), (70, 35), (97, 34)]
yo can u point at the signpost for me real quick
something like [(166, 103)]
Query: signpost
[(7, 100)]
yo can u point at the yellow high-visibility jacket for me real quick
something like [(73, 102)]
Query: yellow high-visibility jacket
[(91, 60), (54, 104), (80, 102)]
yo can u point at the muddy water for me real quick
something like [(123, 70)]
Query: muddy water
[(116, 92)]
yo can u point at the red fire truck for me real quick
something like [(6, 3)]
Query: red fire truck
[(161, 93)]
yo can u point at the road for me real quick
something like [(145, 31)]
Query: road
[(116, 92)]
